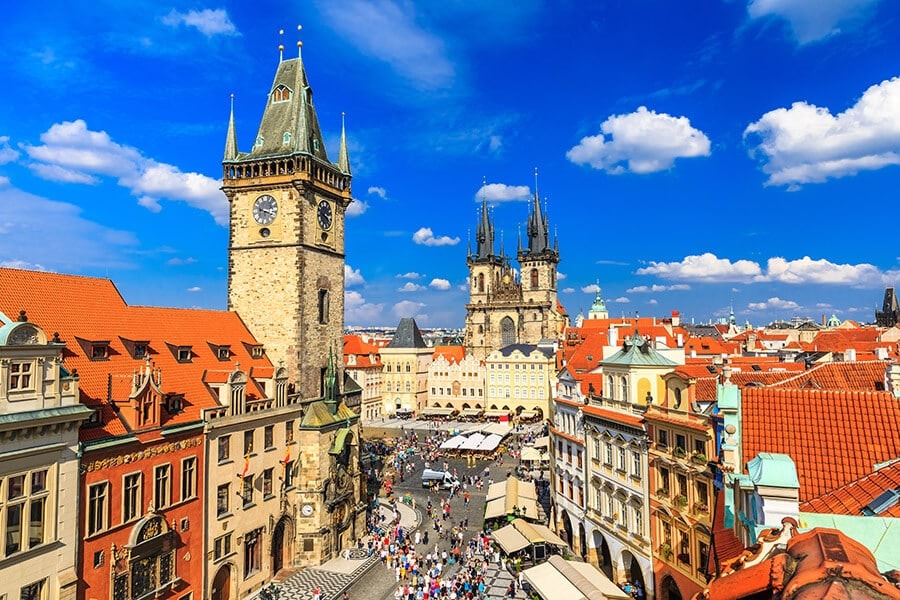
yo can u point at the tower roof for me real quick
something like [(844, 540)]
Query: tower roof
[(484, 234), (343, 154), (231, 144), (289, 123), (407, 335)]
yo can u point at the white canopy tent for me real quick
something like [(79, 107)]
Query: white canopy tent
[(472, 442), (453, 443), (558, 578), (490, 443)]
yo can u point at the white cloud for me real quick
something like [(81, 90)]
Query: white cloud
[(622, 300), (645, 141), (568, 290), (425, 237), (439, 284), (560, 276), (378, 191), (208, 21), (807, 144), (495, 144), (410, 275), (409, 286), (709, 268), (21, 264), (195, 289), (774, 304), (73, 153), (812, 20), (359, 312), (414, 53), (7, 154), (76, 244), (591, 289), (352, 276), (4, 180), (500, 192), (181, 261), (356, 208), (408, 308), (658, 288), (652, 301)]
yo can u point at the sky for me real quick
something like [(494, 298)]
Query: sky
[(701, 156)]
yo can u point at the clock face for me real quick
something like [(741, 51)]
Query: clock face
[(264, 209), (307, 509), (324, 215)]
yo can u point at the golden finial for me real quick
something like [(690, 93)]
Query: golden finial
[(299, 43), (280, 47)]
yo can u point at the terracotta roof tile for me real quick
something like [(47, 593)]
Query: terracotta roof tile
[(851, 498), (853, 375), (91, 309), (834, 437), (453, 354), (612, 415)]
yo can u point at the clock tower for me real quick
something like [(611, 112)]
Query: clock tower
[(286, 245)]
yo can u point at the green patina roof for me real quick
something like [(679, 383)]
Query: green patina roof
[(881, 535), (339, 440), (318, 415), (773, 470), (637, 352), (36, 417)]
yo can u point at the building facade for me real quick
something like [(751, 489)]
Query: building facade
[(362, 362), (505, 308), (405, 360), (455, 380), (521, 379), (40, 414)]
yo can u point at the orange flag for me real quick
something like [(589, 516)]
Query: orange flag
[(246, 466)]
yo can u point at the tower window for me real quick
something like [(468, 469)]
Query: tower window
[(534, 279), (323, 306), (481, 282), (281, 94), (315, 145), (286, 138)]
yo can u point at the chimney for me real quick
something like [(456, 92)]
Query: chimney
[(676, 319), (893, 379), (850, 355)]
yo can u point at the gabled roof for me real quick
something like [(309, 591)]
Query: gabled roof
[(834, 437), (873, 491), (92, 309), (407, 335), (453, 354), (864, 376), (526, 350)]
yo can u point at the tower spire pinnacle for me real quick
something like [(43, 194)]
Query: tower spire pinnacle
[(280, 46), (231, 147), (343, 155)]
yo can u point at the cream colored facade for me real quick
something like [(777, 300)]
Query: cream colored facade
[(457, 385), (521, 378), (39, 419), (404, 378)]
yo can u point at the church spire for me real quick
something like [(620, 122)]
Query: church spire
[(231, 145), (537, 230), (484, 233), (343, 155)]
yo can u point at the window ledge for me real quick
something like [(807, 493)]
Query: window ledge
[(248, 506), (224, 515)]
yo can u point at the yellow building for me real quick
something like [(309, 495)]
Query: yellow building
[(405, 363), (520, 379), (455, 380)]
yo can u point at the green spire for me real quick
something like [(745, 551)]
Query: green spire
[(330, 380), (231, 145), (343, 155)]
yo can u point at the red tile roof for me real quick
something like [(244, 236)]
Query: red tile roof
[(366, 353), (725, 544), (834, 437), (853, 497), (93, 310), (453, 354), (861, 376), (612, 415)]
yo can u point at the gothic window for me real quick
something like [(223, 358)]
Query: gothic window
[(131, 497), (252, 552), (507, 332), (534, 279), (481, 282), (98, 508), (624, 383), (323, 306), (281, 94), (162, 490), (609, 385)]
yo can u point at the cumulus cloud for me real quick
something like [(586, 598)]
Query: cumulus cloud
[(709, 268), (408, 308), (175, 261), (359, 312), (356, 208), (640, 142), (209, 22), (812, 20), (591, 289), (568, 290), (500, 192), (195, 289), (425, 237), (641, 289), (773, 304), (409, 286), (378, 191), (807, 144), (439, 284), (409, 275), (352, 276), (73, 153), (7, 153), (622, 300), (560, 276)]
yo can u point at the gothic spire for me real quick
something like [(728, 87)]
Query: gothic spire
[(231, 145), (537, 230), (484, 233), (343, 155)]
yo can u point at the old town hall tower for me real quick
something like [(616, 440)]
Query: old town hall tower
[(287, 203), (506, 307)]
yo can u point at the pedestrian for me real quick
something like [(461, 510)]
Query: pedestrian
[(317, 594)]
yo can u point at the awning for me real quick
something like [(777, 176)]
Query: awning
[(511, 498), (509, 539), (496, 413), (501, 429), (489, 443), (471, 412), (435, 411), (558, 578), (472, 442), (542, 442), (453, 442), (531, 454), (536, 533), (527, 414)]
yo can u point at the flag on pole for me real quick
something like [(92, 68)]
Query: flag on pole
[(287, 456), (246, 466)]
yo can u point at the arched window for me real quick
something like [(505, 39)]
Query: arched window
[(481, 282), (534, 279), (281, 94), (610, 387), (507, 331), (151, 561), (624, 384)]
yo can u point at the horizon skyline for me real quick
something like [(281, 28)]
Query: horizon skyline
[(701, 158)]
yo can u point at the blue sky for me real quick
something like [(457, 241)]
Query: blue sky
[(692, 155)]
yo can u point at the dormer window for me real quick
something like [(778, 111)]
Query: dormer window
[(315, 145), (174, 403), (99, 351), (281, 94), (286, 138), (94, 419), (223, 352), (20, 375), (183, 354), (140, 351)]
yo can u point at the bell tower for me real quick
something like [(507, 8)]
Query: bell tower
[(286, 236)]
